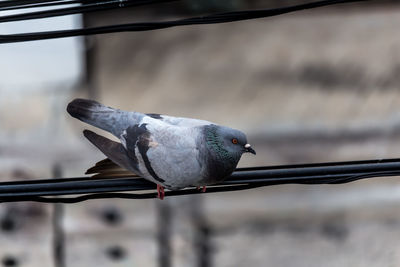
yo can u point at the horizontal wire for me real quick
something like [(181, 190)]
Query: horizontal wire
[(296, 170), (45, 4), (18, 4), (123, 195), (107, 195), (323, 164), (14, 3), (279, 167), (147, 26), (320, 173), (119, 186), (86, 8)]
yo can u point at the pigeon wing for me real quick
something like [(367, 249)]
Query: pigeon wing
[(166, 154), (178, 121), (113, 150)]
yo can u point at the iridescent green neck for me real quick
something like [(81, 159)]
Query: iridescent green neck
[(215, 143)]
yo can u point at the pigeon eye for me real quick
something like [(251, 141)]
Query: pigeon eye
[(234, 141)]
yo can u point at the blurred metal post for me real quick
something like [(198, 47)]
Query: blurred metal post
[(201, 230), (90, 53), (164, 233), (58, 231)]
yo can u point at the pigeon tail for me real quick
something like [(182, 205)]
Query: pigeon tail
[(83, 109), (106, 118)]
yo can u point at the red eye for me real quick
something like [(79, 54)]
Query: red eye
[(234, 141)]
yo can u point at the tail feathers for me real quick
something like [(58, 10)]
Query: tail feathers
[(114, 151), (108, 169), (97, 115), (83, 109), (105, 164)]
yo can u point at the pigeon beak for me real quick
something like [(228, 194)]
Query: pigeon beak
[(249, 149)]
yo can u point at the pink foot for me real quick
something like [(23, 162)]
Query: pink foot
[(160, 192), (203, 188)]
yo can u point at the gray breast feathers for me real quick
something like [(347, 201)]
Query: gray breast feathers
[(166, 154)]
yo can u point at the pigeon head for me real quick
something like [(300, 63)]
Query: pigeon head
[(234, 141), (227, 143)]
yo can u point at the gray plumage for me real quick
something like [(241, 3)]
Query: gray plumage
[(170, 151)]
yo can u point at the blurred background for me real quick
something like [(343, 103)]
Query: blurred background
[(312, 86)]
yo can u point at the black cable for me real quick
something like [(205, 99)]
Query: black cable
[(323, 164), (122, 195), (297, 170), (69, 200), (85, 8), (45, 4), (18, 4), (285, 167), (147, 26), (241, 179), (14, 3)]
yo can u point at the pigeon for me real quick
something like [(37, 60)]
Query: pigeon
[(173, 152)]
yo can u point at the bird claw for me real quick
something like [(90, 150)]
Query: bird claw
[(160, 192), (202, 188)]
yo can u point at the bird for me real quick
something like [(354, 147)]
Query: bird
[(172, 152)]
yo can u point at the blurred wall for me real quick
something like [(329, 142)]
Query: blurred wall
[(320, 85), (295, 83), (312, 86)]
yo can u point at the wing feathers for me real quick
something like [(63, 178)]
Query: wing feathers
[(108, 169), (103, 165), (113, 150)]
